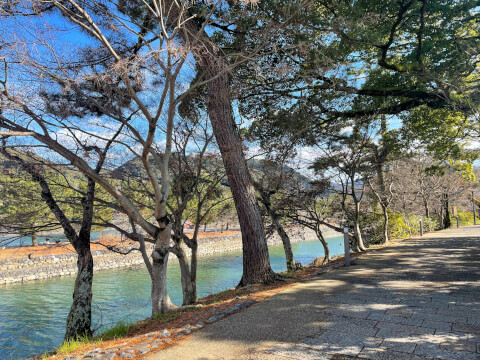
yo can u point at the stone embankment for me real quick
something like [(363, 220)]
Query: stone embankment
[(49, 266)]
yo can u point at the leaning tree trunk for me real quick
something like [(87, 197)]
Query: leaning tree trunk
[(327, 258), (161, 302), (287, 246), (256, 262), (356, 228), (34, 239), (79, 319), (188, 285), (188, 288)]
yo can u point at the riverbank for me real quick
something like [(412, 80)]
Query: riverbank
[(55, 260), (144, 339), (139, 339)]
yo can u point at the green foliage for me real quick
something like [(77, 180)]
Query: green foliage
[(119, 330), (73, 345), (23, 211), (21, 207), (399, 226), (402, 227), (444, 134), (465, 218)]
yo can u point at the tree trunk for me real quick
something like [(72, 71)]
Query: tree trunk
[(188, 287), (188, 284), (256, 262), (441, 217), (34, 239), (79, 319), (161, 302), (356, 228), (193, 268), (287, 246), (326, 250), (446, 213), (385, 225), (427, 208)]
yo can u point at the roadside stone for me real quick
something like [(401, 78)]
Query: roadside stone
[(186, 331), (143, 351), (129, 351), (126, 355), (244, 304), (166, 334), (108, 356), (215, 318), (157, 345)]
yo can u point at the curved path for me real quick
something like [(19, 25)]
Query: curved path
[(416, 299)]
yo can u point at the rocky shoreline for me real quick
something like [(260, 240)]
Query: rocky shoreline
[(49, 266)]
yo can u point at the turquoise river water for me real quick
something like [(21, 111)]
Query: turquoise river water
[(33, 314)]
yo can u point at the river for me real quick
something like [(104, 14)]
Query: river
[(33, 314)]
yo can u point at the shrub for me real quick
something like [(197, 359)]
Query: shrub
[(464, 217), (399, 226)]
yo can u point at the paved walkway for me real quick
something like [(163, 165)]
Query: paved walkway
[(417, 299)]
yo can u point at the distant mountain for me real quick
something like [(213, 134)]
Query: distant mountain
[(134, 168), (11, 167)]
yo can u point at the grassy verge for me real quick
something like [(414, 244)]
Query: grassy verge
[(69, 346)]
